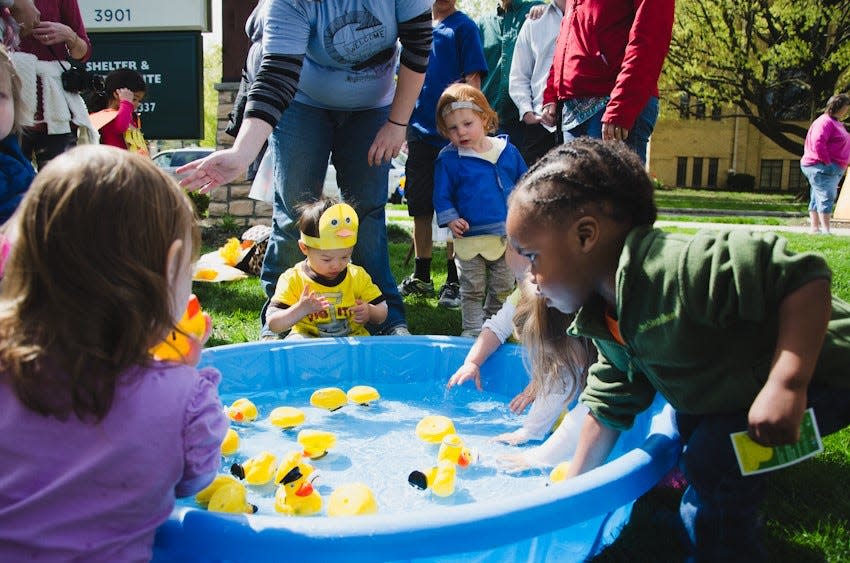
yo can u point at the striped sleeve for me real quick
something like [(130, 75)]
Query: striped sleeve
[(415, 37), (274, 87)]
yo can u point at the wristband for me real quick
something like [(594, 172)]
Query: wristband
[(396, 123)]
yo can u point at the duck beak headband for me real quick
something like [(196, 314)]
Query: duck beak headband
[(337, 229)]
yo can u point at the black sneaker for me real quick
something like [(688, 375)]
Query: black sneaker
[(414, 286), (450, 296)]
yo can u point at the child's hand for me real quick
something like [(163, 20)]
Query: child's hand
[(775, 415), (515, 438), (464, 373), (522, 400), (361, 312), (458, 227), (311, 302), (124, 94), (514, 463)]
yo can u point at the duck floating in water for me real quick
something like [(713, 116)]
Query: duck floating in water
[(352, 499), (242, 410), (440, 479), (287, 417), (559, 473), (184, 342), (363, 395), (257, 470), (316, 443), (230, 444), (433, 428), (452, 449), (231, 498), (296, 496), (330, 398), (204, 495)]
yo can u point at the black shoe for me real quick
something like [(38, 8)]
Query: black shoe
[(414, 286), (450, 295)]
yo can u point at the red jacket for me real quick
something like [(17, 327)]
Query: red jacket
[(611, 48)]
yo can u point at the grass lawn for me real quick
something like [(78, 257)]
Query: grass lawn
[(807, 510), (684, 198)]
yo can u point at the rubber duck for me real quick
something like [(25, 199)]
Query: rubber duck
[(296, 496), (184, 342), (230, 444), (204, 495), (257, 470), (433, 428), (316, 443), (363, 395), (287, 417), (352, 499), (440, 478), (330, 398), (232, 498), (452, 449), (242, 410), (559, 473)]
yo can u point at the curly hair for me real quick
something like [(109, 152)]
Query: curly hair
[(86, 292)]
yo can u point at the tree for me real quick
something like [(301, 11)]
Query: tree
[(771, 60)]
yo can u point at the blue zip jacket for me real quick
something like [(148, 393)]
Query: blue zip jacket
[(469, 187)]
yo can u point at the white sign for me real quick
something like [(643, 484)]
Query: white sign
[(145, 15)]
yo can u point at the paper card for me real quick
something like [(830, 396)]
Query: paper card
[(754, 458)]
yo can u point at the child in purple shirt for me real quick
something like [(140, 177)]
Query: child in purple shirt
[(97, 438)]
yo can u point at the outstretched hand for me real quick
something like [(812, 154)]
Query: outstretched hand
[(217, 169), (522, 399), (468, 371)]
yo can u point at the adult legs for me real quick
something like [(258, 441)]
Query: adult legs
[(537, 142), (44, 147), (823, 179), (639, 134)]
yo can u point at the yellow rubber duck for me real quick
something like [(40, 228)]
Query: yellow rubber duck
[(440, 478), (242, 410), (204, 495), (232, 498), (230, 444), (452, 449), (257, 470), (433, 428), (296, 496), (287, 417), (352, 499), (316, 443), (559, 473), (363, 395), (177, 346), (330, 398)]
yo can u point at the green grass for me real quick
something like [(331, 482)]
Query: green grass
[(684, 198), (807, 509)]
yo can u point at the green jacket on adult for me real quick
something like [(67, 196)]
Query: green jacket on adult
[(699, 318), (499, 33)]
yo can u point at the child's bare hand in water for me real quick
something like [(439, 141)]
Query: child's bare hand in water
[(514, 463), (523, 399), (515, 438)]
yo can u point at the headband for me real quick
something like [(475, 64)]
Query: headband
[(454, 106), (337, 229)]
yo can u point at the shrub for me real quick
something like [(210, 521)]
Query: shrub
[(741, 182)]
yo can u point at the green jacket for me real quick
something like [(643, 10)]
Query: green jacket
[(499, 33), (699, 316)]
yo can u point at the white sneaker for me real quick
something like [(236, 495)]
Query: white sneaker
[(398, 330)]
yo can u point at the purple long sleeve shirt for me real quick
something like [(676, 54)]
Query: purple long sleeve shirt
[(827, 142), (97, 492)]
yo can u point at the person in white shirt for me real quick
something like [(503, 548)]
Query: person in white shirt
[(535, 48)]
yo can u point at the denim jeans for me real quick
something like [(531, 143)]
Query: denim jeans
[(484, 286), (720, 508), (301, 144), (639, 134), (823, 179)]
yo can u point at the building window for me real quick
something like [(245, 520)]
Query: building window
[(681, 171), (684, 110), (713, 164), (716, 113), (696, 173), (771, 174), (699, 110), (796, 181)]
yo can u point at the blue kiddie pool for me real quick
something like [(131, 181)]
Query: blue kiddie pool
[(493, 516)]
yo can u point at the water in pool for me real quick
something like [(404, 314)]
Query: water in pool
[(377, 445)]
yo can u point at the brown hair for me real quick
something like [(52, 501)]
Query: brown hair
[(86, 291), (556, 361), (836, 103), (311, 212), (8, 69), (460, 92)]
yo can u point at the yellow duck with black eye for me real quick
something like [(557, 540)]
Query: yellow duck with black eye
[(316, 443), (295, 495), (204, 495), (257, 470), (184, 342), (433, 428), (287, 418), (352, 499), (330, 398), (363, 395), (337, 229), (231, 498), (453, 449), (242, 410), (440, 479)]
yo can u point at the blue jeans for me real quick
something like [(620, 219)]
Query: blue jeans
[(301, 144), (720, 508), (638, 135), (823, 178)]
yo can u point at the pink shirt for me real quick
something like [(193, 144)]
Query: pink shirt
[(112, 133), (827, 142), (97, 492)]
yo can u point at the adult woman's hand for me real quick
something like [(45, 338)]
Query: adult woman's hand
[(387, 143), (219, 168)]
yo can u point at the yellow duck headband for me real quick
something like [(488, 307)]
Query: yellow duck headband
[(464, 104), (337, 229)]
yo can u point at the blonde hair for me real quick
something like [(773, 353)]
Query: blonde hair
[(460, 92), (8, 69), (86, 291), (556, 361)]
